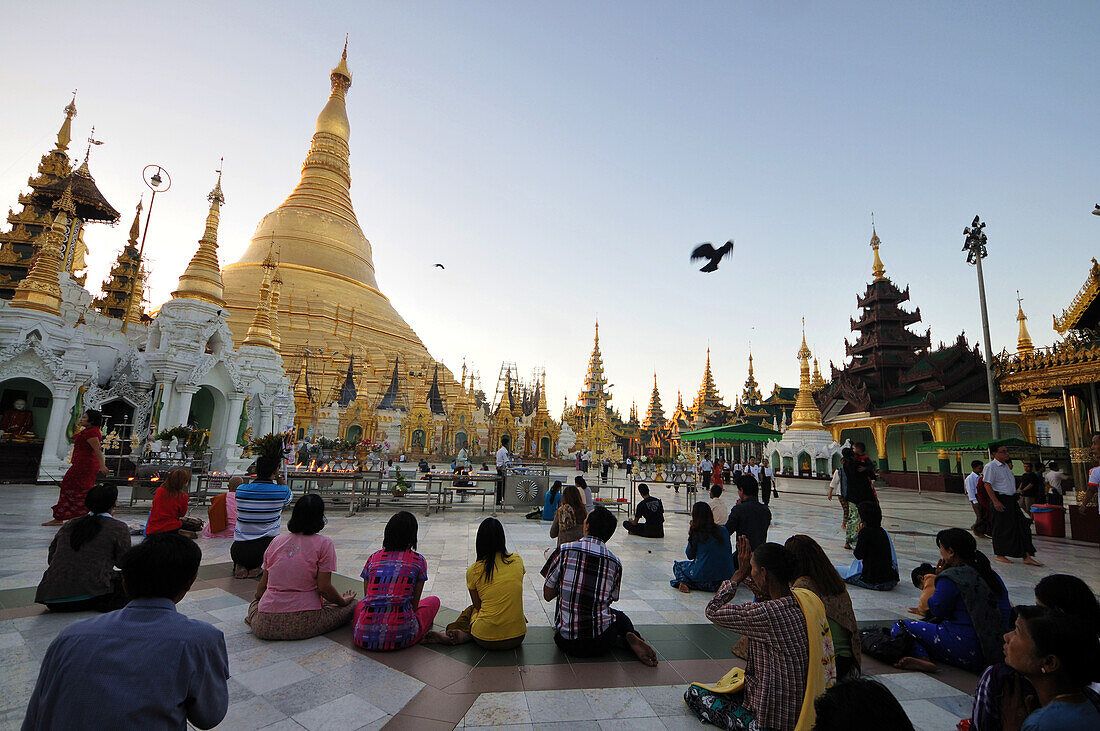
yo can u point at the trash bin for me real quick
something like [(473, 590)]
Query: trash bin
[(1050, 520)]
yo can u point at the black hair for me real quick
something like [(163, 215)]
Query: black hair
[(643, 489), (601, 523), (861, 447), (810, 560), (308, 516), (580, 482), (748, 485), (505, 440), (489, 543), (777, 561), (977, 464), (100, 499), (716, 491), (920, 572), (702, 527), (859, 704), (400, 534), (266, 466), (1068, 638), (160, 567), (1071, 595), (966, 549), (847, 453), (870, 513), (555, 488), (95, 418)]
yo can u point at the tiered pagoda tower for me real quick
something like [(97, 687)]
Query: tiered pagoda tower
[(751, 395), (595, 393), (122, 295), (655, 414), (30, 225), (708, 403), (884, 348)]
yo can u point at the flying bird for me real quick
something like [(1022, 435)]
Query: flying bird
[(441, 267), (706, 251)]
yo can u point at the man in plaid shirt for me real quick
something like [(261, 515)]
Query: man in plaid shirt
[(584, 578)]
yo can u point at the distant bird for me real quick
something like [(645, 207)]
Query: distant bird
[(441, 267), (706, 251)]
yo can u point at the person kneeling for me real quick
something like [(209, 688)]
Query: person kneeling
[(295, 599), (876, 566), (495, 619), (584, 578), (650, 510), (709, 551)]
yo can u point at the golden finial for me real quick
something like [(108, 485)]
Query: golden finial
[(135, 227), (1024, 345), (88, 152), (259, 332), (65, 134), (878, 268), (341, 75), (806, 415)]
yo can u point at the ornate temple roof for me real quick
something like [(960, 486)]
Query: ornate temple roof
[(655, 414), (1084, 310), (91, 204)]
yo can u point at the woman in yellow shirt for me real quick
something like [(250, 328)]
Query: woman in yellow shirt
[(494, 619)]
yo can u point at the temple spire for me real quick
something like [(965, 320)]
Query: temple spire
[(65, 134), (202, 280), (751, 396), (655, 414), (878, 268), (806, 414), (259, 332), (1024, 345), (41, 288)]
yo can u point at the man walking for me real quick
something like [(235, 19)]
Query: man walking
[(975, 493), (504, 458), (706, 467), (1011, 530)]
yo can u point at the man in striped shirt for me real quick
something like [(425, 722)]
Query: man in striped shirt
[(259, 516)]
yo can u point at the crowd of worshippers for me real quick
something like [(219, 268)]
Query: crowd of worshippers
[(802, 647)]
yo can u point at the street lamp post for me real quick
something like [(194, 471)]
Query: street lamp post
[(975, 248), (156, 182)]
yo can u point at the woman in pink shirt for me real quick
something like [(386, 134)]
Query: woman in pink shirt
[(295, 599)]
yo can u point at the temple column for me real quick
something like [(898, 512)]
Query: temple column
[(878, 428), (1080, 456), (54, 445), (939, 434), (233, 417), (182, 406), (266, 414)]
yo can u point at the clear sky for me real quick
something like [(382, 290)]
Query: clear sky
[(562, 159)]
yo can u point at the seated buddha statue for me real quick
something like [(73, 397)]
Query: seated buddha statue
[(18, 421)]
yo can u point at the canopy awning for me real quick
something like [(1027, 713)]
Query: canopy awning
[(732, 433), (1012, 443)]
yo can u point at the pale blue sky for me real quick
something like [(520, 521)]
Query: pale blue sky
[(563, 158)]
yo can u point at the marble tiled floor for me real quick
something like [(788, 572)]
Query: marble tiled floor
[(326, 682)]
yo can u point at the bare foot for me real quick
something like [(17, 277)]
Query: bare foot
[(435, 637), (684, 588), (847, 547), (54, 522), (643, 651), (189, 534), (1030, 561), (916, 663), (1002, 559), (240, 572), (254, 574)]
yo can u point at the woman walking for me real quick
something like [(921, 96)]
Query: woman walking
[(88, 461)]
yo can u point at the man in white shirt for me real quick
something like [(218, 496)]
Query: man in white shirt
[(970, 484), (706, 467), (463, 458), (504, 458), (718, 505), (752, 469), (1011, 530)]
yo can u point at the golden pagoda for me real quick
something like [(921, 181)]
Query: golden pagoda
[(328, 298), (1024, 346), (202, 280), (806, 415), (41, 289), (751, 395), (655, 414), (708, 402)]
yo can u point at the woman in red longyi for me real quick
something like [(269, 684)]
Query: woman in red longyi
[(88, 461)]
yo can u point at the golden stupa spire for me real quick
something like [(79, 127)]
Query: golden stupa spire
[(301, 385), (202, 280), (817, 382), (1023, 340), (41, 288), (806, 415), (259, 332), (135, 227), (65, 134), (878, 268), (276, 287)]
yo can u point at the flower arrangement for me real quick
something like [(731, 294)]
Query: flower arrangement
[(273, 445), (188, 437)]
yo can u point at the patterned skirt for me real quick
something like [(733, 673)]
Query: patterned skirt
[(724, 710)]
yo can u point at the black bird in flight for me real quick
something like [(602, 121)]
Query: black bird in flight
[(441, 267), (706, 251)]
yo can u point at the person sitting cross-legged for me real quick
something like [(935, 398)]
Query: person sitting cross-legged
[(260, 506), (875, 565), (295, 599), (145, 666), (790, 651), (495, 618), (584, 578), (649, 516), (709, 551), (82, 558)]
